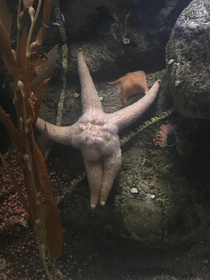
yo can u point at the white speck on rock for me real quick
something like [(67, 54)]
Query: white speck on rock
[(170, 61), (177, 83), (134, 190), (76, 95)]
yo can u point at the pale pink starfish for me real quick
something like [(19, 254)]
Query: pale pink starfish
[(96, 133)]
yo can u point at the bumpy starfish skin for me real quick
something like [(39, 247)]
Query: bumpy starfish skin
[(96, 134)]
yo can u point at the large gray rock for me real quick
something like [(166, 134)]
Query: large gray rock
[(117, 37), (188, 59), (152, 200), (121, 35), (151, 186)]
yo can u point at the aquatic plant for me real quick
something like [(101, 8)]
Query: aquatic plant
[(31, 73)]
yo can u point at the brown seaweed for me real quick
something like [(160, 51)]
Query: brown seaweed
[(31, 72)]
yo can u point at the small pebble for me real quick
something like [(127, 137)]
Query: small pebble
[(134, 190), (177, 83), (76, 95), (170, 61), (126, 41)]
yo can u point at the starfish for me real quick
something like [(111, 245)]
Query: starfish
[(96, 133), (134, 82)]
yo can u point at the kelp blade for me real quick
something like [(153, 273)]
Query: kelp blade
[(48, 5), (17, 140), (7, 55), (52, 222), (5, 18), (47, 70)]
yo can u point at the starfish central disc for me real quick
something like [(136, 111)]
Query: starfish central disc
[(96, 138)]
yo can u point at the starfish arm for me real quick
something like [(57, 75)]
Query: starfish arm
[(94, 171), (111, 168), (126, 116), (59, 134), (90, 98)]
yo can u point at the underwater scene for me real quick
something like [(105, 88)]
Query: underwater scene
[(105, 140)]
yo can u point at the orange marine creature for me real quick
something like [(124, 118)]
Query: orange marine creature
[(162, 136), (170, 135), (134, 82)]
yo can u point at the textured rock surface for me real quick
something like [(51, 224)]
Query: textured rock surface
[(159, 197), (152, 184), (156, 198), (123, 33), (188, 61), (99, 28)]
